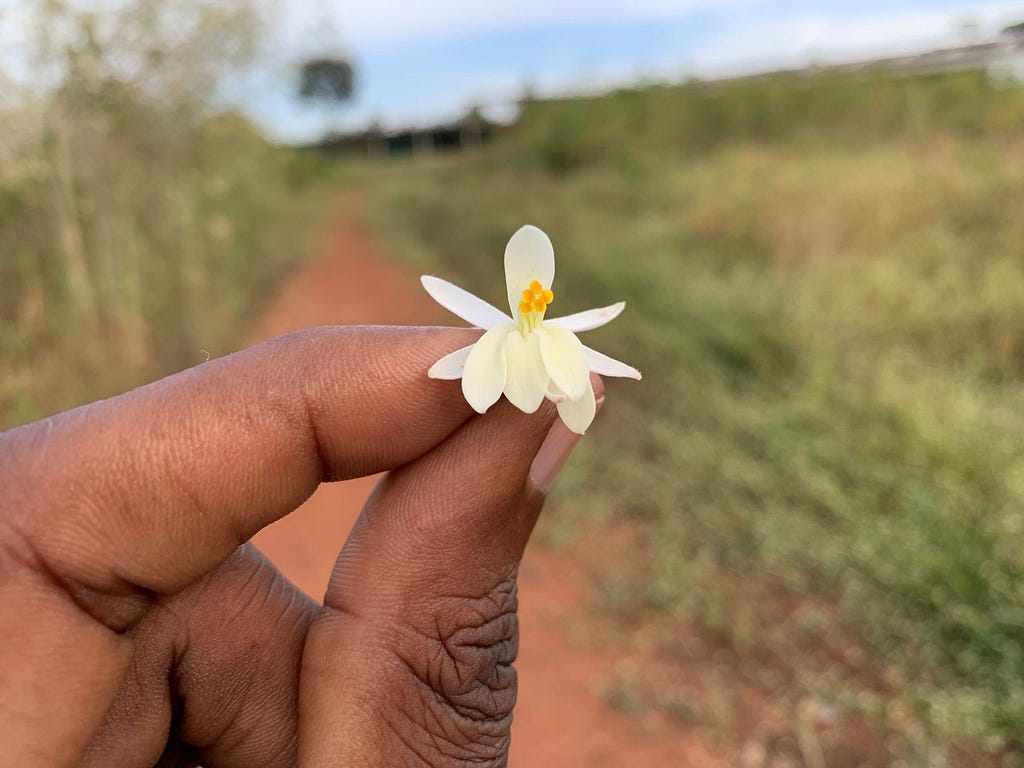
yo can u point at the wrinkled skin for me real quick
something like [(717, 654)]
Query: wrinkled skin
[(140, 629)]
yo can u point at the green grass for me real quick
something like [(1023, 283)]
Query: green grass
[(825, 288)]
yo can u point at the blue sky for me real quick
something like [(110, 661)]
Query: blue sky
[(419, 62)]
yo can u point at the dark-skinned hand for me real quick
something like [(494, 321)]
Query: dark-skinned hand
[(138, 628)]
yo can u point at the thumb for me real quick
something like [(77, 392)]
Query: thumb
[(410, 659)]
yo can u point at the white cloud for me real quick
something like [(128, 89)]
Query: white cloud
[(821, 37)]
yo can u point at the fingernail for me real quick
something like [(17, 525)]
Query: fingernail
[(554, 452)]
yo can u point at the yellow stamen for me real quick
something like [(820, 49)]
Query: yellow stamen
[(534, 303)]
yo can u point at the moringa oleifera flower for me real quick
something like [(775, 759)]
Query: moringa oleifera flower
[(525, 356)]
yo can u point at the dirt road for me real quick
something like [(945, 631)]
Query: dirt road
[(562, 719)]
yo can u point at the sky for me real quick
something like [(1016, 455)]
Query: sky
[(420, 62)]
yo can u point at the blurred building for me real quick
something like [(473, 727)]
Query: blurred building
[(473, 130)]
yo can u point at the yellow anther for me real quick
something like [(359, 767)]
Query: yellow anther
[(534, 303)]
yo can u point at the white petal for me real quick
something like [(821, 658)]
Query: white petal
[(451, 366), (577, 414), (484, 374), (554, 394), (526, 380), (529, 256), (589, 319), (609, 366), (464, 304), (564, 359)]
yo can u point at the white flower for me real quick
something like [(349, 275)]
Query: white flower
[(528, 358)]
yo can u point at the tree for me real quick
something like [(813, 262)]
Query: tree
[(327, 80)]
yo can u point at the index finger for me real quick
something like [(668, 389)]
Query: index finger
[(154, 488)]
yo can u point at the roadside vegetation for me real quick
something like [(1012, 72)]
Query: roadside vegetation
[(139, 225), (825, 287)]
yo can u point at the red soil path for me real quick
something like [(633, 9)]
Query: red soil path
[(561, 720)]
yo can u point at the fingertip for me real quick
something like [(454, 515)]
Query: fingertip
[(554, 452)]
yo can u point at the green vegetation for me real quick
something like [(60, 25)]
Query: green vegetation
[(146, 260), (138, 227), (825, 287)]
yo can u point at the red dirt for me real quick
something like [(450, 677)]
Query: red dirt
[(562, 718)]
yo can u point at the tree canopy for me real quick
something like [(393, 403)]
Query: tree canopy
[(327, 79)]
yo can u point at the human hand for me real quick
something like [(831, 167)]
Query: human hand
[(139, 629)]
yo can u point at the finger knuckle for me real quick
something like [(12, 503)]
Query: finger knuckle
[(459, 711)]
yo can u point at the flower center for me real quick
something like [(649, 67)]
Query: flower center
[(533, 305)]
